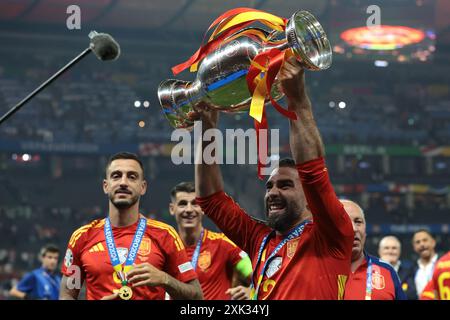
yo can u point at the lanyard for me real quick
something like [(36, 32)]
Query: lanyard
[(132, 252), (52, 281), (369, 279), (197, 251), (295, 233)]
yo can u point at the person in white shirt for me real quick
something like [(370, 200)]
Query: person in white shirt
[(424, 245)]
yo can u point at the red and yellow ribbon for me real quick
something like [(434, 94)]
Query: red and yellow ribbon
[(226, 24)]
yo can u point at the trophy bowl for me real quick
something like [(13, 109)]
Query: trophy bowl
[(221, 77)]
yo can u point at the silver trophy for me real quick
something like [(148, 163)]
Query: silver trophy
[(221, 76)]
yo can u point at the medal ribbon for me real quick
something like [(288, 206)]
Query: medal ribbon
[(132, 252), (196, 253), (369, 279)]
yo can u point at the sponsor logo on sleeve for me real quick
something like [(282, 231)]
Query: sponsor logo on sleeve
[(68, 258), (185, 267)]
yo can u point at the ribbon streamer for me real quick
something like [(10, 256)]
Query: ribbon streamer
[(230, 22)]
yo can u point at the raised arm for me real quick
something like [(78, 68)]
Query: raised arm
[(208, 177), (226, 214), (304, 137), (333, 223)]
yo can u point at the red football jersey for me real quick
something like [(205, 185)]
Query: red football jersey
[(215, 265), (439, 286), (429, 292), (161, 246), (385, 282), (312, 266)]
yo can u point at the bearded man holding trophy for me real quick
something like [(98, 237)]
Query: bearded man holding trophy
[(303, 249)]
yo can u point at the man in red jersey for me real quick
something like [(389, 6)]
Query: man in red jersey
[(214, 257), (125, 255), (439, 286), (293, 257), (370, 278)]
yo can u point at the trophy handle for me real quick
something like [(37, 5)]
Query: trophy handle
[(308, 41), (177, 102)]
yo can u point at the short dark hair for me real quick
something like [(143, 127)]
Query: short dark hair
[(186, 186), (422, 230), (287, 162), (49, 248), (127, 156)]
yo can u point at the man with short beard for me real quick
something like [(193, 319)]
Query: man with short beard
[(125, 255), (424, 245), (303, 251)]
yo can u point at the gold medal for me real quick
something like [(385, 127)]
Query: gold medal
[(125, 293)]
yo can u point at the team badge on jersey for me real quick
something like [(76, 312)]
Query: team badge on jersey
[(378, 281), (291, 248), (204, 260), (145, 247), (274, 266), (68, 258)]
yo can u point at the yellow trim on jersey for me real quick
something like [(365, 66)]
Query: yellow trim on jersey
[(429, 294), (443, 264), (219, 236), (215, 235), (263, 256), (77, 234), (229, 241), (170, 230), (342, 279), (99, 224)]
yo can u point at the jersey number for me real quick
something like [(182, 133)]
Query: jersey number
[(444, 289)]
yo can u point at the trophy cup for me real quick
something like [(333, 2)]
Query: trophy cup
[(221, 76)]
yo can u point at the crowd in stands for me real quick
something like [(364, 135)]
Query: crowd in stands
[(95, 104)]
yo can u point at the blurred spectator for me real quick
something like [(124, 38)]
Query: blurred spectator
[(42, 283), (424, 245), (389, 250)]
